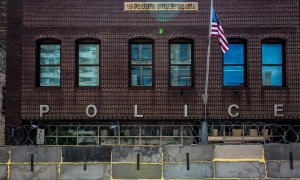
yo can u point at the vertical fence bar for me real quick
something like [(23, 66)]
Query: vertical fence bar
[(32, 163), (187, 161), (291, 160), (138, 162)]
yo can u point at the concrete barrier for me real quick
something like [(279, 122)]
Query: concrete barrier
[(129, 154), (89, 154), (140, 162), (282, 169), (196, 171), (4, 154), (239, 170), (3, 171), (23, 172), (92, 171), (195, 153), (282, 151), (249, 152), (129, 171), (41, 154)]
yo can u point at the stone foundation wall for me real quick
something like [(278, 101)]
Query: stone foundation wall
[(136, 162)]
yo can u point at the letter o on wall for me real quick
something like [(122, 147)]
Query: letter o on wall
[(88, 108)]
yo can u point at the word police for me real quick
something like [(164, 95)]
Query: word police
[(91, 110)]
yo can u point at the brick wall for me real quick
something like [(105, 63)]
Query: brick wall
[(2, 62), (3, 21), (105, 20)]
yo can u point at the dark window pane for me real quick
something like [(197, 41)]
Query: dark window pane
[(88, 76), (49, 54), (272, 75), (235, 54), (181, 76), (50, 76), (233, 76), (141, 76), (272, 53), (88, 54), (181, 54), (141, 54)]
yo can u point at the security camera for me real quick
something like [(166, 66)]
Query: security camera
[(33, 126)]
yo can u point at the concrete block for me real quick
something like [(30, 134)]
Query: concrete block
[(129, 154), (93, 171), (129, 171), (282, 151), (3, 171), (281, 169), (196, 171), (239, 170), (196, 153), (238, 151), (41, 154), (4, 154), (22, 172), (94, 154)]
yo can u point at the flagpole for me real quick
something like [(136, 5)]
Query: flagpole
[(204, 126)]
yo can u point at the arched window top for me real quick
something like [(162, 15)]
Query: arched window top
[(273, 40), (48, 40), (88, 40), (141, 40), (181, 40), (237, 40)]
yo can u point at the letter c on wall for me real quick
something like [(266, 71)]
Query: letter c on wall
[(230, 112)]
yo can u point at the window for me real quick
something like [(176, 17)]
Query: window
[(49, 63), (234, 67), (181, 63), (88, 63), (272, 63), (141, 60)]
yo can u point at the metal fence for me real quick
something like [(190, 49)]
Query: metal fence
[(116, 133)]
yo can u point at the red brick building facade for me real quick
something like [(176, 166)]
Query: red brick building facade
[(107, 22)]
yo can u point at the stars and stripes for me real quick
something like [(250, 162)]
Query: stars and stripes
[(217, 31)]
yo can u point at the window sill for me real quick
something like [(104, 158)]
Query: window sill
[(274, 88), (235, 87), (141, 87)]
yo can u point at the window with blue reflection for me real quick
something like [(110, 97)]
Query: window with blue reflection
[(181, 64), (49, 61), (88, 64), (272, 64), (234, 65), (141, 64)]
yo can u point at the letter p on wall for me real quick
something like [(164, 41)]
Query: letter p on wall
[(43, 110)]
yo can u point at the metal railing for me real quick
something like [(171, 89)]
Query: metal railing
[(133, 134)]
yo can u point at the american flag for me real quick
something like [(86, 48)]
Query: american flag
[(217, 31)]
